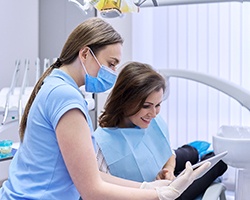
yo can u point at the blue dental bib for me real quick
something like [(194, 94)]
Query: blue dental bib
[(134, 153)]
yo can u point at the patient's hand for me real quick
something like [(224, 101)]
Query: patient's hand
[(165, 174)]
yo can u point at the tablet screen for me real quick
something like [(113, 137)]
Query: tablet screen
[(213, 160)]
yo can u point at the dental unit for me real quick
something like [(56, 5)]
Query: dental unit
[(7, 92), (234, 139)]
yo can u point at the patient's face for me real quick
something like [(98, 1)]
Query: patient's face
[(150, 109)]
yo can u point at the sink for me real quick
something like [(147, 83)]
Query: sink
[(236, 140)]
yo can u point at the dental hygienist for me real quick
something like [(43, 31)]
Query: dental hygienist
[(56, 158)]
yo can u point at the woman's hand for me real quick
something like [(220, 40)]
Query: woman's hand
[(166, 174)]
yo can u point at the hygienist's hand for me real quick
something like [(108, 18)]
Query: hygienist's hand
[(165, 174), (181, 183), (155, 184)]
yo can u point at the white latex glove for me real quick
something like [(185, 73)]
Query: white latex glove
[(155, 184), (181, 183)]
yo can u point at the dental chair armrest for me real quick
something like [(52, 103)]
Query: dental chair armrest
[(215, 191)]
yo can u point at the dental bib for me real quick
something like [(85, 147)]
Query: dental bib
[(134, 153)]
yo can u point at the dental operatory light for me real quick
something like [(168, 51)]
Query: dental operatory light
[(116, 8), (108, 8), (86, 6)]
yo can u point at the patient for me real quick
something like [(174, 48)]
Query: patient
[(133, 141)]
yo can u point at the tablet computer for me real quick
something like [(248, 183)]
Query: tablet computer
[(213, 160)]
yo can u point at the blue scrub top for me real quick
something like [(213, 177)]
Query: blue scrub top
[(37, 170)]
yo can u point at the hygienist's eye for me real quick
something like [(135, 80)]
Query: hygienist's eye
[(112, 66)]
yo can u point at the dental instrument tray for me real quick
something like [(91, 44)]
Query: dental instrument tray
[(6, 150)]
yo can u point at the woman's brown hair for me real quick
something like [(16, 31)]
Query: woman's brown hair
[(135, 83), (94, 33)]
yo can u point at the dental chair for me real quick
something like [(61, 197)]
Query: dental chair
[(215, 191)]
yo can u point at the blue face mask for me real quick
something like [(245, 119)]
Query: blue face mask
[(104, 81)]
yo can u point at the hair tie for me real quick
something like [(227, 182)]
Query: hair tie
[(58, 63)]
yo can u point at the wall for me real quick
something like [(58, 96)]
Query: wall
[(19, 37), (57, 19), (208, 38), (31, 29)]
